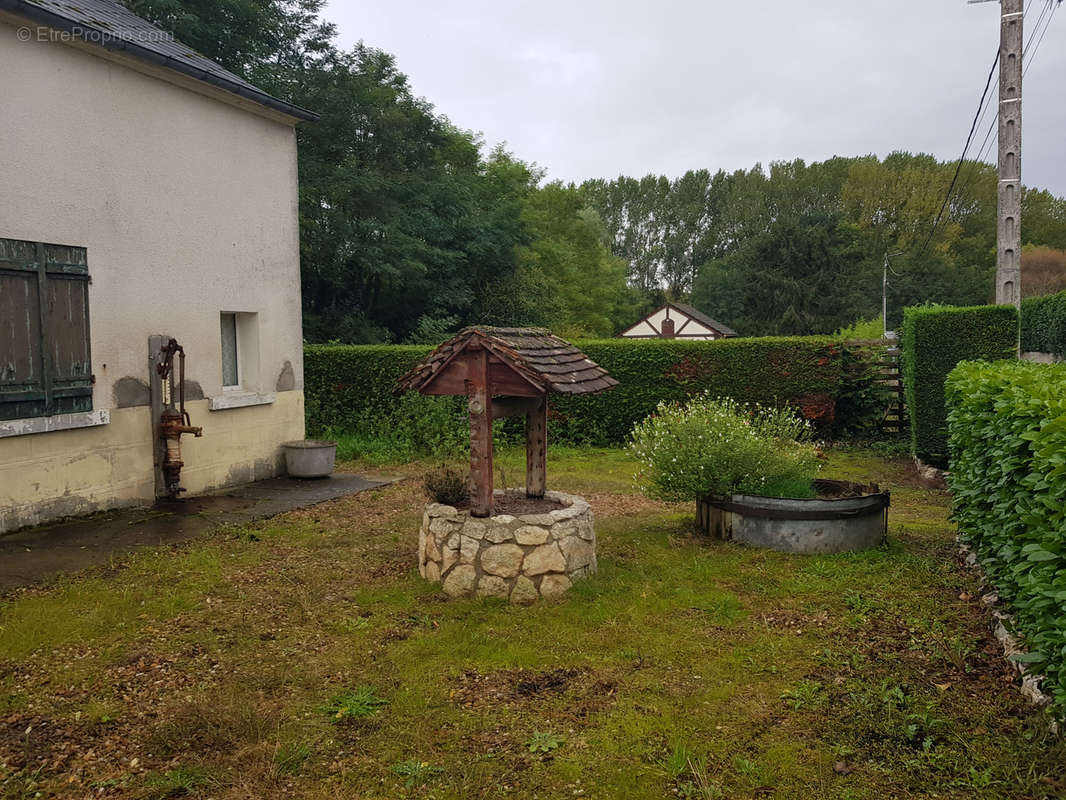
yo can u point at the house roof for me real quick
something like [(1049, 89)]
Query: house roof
[(693, 313), (702, 318), (535, 353), (111, 25)]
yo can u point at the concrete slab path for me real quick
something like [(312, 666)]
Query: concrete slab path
[(38, 554)]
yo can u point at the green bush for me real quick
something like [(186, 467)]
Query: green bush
[(935, 339), (1044, 324), (1007, 435), (349, 391), (720, 447)]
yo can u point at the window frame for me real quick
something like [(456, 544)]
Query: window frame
[(59, 389), (233, 316)]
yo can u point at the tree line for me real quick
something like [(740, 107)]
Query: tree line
[(411, 227), (799, 248)]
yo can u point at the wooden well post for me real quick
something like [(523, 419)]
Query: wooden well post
[(506, 372)]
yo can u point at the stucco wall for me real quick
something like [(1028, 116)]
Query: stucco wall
[(188, 207)]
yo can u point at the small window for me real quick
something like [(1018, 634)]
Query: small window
[(45, 368), (231, 376), (240, 350)]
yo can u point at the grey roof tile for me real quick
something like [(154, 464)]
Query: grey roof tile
[(110, 24)]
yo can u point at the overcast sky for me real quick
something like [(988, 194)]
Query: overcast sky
[(598, 88)]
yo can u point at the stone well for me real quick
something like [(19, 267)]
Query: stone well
[(516, 558)]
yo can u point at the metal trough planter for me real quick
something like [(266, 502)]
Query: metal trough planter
[(830, 523), (310, 458)]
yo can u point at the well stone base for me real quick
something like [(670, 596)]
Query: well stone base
[(516, 558)]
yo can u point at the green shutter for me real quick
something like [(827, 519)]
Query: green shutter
[(45, 365)]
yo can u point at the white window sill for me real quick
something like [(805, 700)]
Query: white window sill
[(60, 422), (238, 399)]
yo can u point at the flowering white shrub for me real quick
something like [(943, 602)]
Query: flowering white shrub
[(718, 446)]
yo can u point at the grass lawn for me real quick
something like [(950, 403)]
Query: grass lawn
[(304, 657)]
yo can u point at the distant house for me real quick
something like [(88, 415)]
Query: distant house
[(147, 193), (678, 321)]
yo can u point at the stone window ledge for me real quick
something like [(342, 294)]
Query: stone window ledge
[(221, 402), (59, 422)]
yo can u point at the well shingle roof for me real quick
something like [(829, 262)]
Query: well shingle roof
[(535, 353), (110, 24)]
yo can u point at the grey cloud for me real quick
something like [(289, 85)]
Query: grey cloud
[(596, 89)]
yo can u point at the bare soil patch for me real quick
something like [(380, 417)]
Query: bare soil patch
[(585, 691)]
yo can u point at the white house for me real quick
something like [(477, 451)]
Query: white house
[(678, 321), (147, 192)]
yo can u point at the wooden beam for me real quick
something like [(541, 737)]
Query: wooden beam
[(479, 404), (512, 406), (536, 448)]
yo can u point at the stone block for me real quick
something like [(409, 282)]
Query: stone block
[(474, 529), (524, 592), (460, 581), (441, 525), (498, 534), (545, 558), (543, 520), (560, 530), (469, 549), (554, 586), (578, 552), (436, 510), (493, 586), (531, 534), (432, 571), (431, 550), (504, 560), (448, 560)]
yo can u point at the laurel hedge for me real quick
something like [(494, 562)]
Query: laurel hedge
[(1044, 324), (350, 388), (1007, 437), (935, 339)]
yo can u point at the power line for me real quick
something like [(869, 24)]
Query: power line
[(1054, 6), (1039, 39), (962, 158)]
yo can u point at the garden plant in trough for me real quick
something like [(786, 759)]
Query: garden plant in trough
[(719, 446), (751, 471)]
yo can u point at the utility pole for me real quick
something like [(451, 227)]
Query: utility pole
[(884, 295), (1009, 222)]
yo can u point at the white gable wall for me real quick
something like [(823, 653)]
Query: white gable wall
[(653, 325), (187, 207)]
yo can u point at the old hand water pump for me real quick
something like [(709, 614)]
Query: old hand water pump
[(174, 420)]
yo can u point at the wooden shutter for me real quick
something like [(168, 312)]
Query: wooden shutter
[(45, 364)]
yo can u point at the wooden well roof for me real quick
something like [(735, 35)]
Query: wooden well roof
[(542, 359)]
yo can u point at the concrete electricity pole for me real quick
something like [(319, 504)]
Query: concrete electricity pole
[(1009, 225)]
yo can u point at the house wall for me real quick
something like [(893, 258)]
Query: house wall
[(684, 326), (187, 206)]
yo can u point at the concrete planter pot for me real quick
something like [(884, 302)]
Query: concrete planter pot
[(818, 526), (310, 458)]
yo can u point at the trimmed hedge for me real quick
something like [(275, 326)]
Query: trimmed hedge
[(350, 388), (1044, 324), (935, 339), (1007, 435), (805, 372)]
